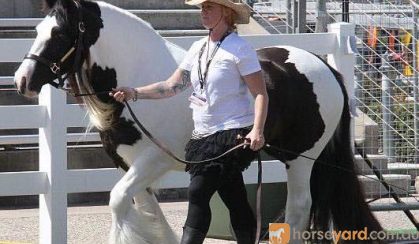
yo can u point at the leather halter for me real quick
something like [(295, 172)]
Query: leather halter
[(56, 67)]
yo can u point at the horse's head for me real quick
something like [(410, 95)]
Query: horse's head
[(63, 39)]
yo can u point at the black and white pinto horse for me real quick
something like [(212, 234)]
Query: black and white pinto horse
[(308, 114)]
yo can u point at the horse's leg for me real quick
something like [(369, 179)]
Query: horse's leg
[(147, 204), (299, 197), (143, 222)]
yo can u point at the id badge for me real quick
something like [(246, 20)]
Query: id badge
[(197, 99)]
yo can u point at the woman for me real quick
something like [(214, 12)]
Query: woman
[(221, 69)]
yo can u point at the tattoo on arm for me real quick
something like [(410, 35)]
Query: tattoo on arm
[(164, 89), (184, 83)]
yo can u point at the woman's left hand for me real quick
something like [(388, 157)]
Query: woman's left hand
[(257, 140)]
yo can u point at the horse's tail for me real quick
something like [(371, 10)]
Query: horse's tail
[(336, 191)]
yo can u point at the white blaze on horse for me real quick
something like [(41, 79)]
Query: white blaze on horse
[(100, 46)]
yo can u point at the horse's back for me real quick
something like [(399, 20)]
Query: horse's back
[(305, 98)]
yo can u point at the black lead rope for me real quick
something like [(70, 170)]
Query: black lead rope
[(258, 201), (165, 149), (259, 187)]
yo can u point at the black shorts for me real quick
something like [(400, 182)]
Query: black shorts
[(215, 145)]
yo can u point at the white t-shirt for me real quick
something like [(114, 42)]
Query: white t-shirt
[(227, 104)]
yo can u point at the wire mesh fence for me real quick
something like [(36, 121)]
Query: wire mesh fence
[(386, 87), (386, 79)]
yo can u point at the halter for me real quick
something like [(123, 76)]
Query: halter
[(55, 67)]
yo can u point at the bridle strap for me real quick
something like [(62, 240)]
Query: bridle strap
[(55, 67), (43, 61), (64, 58)]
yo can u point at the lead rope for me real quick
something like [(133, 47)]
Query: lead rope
[(259, 188), (258, 201), (259, 184), (165, 149)]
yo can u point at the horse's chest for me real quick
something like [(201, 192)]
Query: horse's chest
[(122, 135)]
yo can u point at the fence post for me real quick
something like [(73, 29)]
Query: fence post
[(415, 80), (343, 58), (53, 161), (388, 76)]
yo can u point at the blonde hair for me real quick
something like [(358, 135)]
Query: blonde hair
[(230, 18)]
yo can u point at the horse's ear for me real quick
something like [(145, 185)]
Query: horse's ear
[(49, 4)]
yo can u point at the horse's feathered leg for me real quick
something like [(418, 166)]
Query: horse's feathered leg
[(142, 222), (299, 196)]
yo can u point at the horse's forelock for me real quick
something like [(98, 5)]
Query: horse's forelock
[(66, 13), (47, 5)]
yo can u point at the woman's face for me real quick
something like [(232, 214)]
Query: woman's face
[(211, 14)]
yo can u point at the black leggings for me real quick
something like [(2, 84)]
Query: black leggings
[(231, 190)]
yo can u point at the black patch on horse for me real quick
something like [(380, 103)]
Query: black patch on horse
[(294, 123), (122, 131), (103, 80)]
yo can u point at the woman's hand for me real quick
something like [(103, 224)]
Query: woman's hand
[(257, 140), (123, 93), (257, 87)]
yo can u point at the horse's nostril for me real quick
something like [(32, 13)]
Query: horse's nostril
[(22, 87)]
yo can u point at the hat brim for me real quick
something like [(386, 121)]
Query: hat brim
[(242, 10)]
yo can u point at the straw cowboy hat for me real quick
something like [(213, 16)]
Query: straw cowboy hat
[(241, 9)]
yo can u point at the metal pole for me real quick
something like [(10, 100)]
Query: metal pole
[(302, 16), (415, 81), (345, 10), (391, 191), (289, 16), (359, 81), (394, 206), (294, 15), (321, 18), (386, 87)]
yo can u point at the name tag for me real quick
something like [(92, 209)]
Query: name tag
[(197, 99)]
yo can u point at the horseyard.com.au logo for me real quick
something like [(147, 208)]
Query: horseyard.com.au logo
[(279, 233)]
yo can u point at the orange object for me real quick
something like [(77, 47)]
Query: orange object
[(372, 36), (391, 41)]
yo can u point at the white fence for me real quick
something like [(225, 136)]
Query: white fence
[(52, 116)]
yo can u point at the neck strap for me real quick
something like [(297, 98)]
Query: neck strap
[(203, 77)]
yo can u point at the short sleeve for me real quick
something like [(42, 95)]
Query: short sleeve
[(189, 58), (247, 60)]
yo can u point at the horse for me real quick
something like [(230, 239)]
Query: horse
[(85, 42)]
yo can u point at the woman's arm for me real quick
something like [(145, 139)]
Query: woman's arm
[(177, 82), (257, 88)]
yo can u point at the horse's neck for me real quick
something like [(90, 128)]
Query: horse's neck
[(139, 56), (131, 47)]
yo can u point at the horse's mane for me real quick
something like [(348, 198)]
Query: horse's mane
[(103, 114)]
